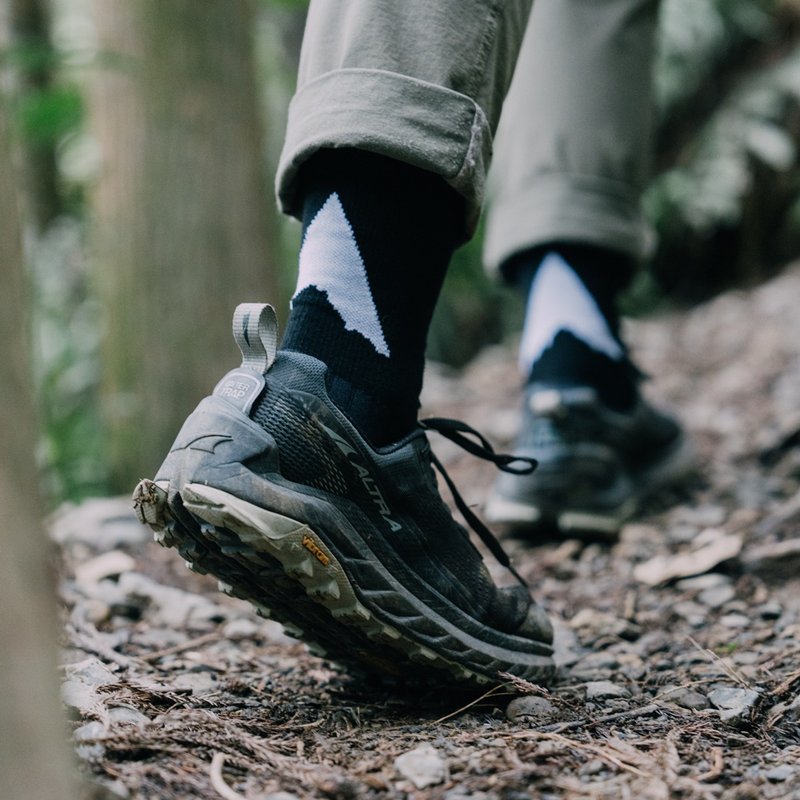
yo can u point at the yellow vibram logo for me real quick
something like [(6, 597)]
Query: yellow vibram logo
[(314, 548)]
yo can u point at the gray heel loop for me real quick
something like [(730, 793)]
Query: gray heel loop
[(255, 329)]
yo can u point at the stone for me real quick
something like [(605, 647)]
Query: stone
[(716, 596), (734, 621), (605, 690), (533, 709), (699, 583), (734, 703), (423, 766), (780, 773), (685, 697)]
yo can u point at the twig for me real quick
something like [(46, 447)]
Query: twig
[(218, 782), (602, 752), (732, 673), (91, 643), (786, 685), (716, 767), (494, 690), (558, 727), (199, 641)]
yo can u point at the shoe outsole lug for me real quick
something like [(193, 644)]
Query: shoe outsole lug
[(307, 587)]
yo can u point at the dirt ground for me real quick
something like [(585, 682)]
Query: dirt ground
[(677, 643)]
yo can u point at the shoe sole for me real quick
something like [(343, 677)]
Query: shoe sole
[(249, 548), (606, 522)]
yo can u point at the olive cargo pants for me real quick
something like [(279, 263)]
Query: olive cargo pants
[(424, 81)]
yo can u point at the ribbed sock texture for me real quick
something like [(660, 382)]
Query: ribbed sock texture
[(570, 359), (378, 236)]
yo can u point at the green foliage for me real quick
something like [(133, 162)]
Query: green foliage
[(46, 116), (66, 366)]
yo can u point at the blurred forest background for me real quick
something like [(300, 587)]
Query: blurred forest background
[(145, 135)]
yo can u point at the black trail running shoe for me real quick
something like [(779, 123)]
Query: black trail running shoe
[(271, 489), (595, 464)]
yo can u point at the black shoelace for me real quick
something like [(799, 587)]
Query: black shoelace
[(458, 433)]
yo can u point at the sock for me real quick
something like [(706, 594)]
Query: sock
[(571, 331), (378, 236)]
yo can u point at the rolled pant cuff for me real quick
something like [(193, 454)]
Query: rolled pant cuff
[(420, 123), (576, 209)]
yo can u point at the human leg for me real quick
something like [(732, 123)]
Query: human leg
[(276, 483), (565, 224)]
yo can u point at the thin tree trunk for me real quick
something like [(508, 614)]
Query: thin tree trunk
[(33, 760), (29, 25), (182, 213)]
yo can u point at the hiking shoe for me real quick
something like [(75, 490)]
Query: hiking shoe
[(270, 488), (595, 464)]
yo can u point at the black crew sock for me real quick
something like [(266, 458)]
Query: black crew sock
[(378, 235), (569, 360)]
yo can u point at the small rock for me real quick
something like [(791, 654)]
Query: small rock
[(89, 732), (699, 583), (605, 690), (86, 746), (717, 596), (770, 610), (774, 559), (537, 710), (103, 524), (240, 629), (780, 773), (280, 796), (107, 565), (167, 605), (734, 621), (423, 766), (199, 682), (593, 767), (124, 715), (733, 703), (685, 697), (79, 691)]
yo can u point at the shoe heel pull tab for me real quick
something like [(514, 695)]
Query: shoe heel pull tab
[(255, 329)]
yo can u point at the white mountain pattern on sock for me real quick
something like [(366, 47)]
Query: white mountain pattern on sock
[(331, 262), (559, 301)]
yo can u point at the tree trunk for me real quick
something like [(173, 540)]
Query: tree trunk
[(182, 213), (29, 25), (33, 751)]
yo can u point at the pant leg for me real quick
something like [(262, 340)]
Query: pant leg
[(573, 149), (421, 81)]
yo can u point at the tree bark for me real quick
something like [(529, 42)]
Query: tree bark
[(182, 213), (33, 751)]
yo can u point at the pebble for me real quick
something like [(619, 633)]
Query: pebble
[(423, 766), (605, 690), (733, 703), (684, 697), (734, 621), (86, 748), (106, 565), (770, 610), (199, 682), (699, 583), (124, 715), (780, 773), (281, 796), (716, 596), (103, 524), (537, 710), (167, 605)]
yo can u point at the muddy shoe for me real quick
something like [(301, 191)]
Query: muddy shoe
[(595, 464), (271, 489)]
